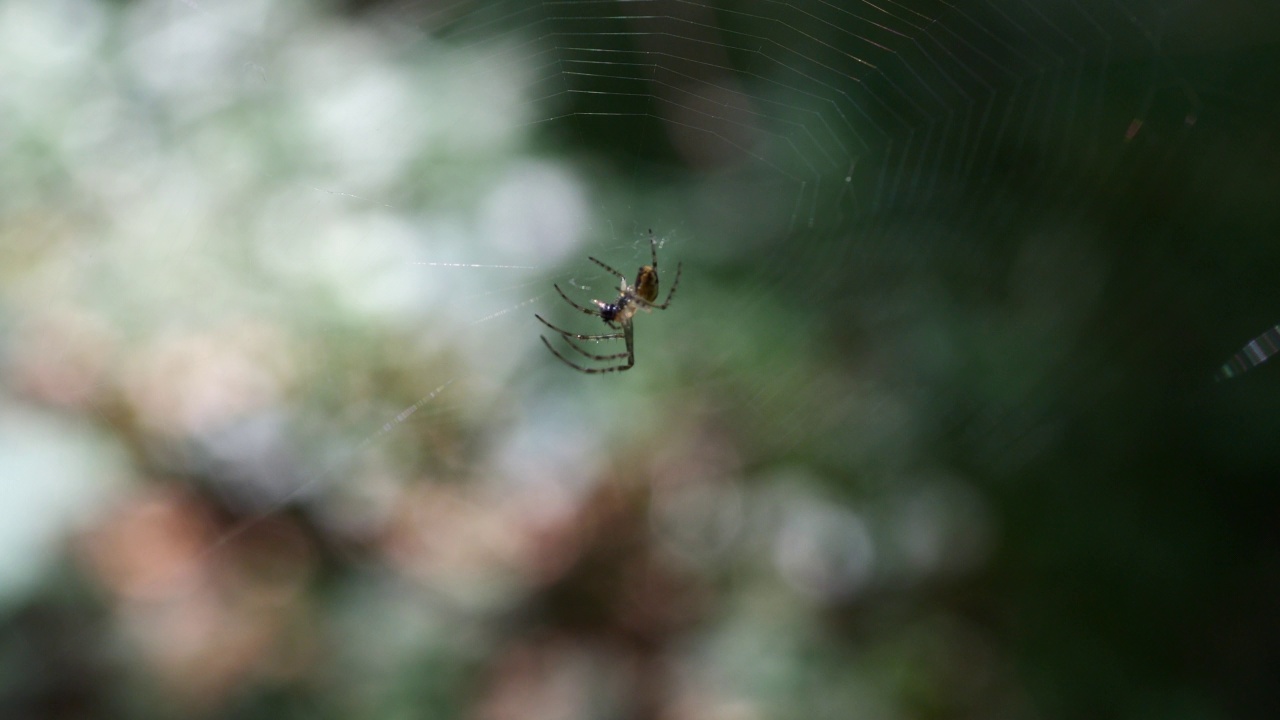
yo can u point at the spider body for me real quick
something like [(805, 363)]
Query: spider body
[(633, 298), (617, 314)]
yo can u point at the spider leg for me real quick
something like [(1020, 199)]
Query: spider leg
[(562, 358), (579, 368), (630, 355), (583, 308), (606, 267), (631, 348), (566, 333), (584, 353)]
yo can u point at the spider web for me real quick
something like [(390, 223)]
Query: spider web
[(932, 252)]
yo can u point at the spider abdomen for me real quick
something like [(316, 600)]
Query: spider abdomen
[(646, 286)]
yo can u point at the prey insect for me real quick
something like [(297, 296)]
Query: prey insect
[(618, 315)]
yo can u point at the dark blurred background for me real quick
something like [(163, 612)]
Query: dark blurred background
[(936, 426)]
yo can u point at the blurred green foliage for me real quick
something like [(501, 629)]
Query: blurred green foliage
[(931, 429)]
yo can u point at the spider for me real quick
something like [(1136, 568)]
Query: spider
[(617, 314)]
